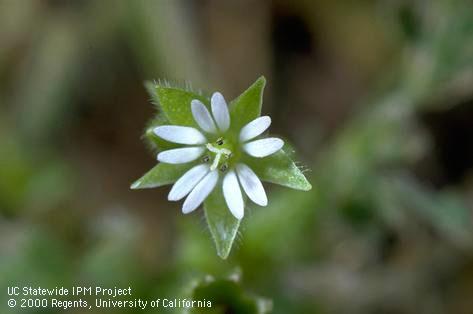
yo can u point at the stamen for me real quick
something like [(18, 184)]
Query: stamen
[(212, 149), (223, 151), (224, 167), (219, 152)]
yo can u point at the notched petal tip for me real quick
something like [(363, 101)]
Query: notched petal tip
[(202, 116)]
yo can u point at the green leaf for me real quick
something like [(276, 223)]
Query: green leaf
[(247, 106), (161, 174), (176, 105), (446, 212), (223, 226), (279, 169), (157, 143)]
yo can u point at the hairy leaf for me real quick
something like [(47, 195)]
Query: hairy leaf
[(223, 226), (176, 105), (161, 174), (279, 169), (247, 106)]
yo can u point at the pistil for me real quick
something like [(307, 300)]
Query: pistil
[(219, 152)]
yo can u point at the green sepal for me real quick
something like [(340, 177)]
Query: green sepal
[(175, 104), (161, 174), (222, 224), (174, 108), (247, 106), (157, 143), (279, 169)]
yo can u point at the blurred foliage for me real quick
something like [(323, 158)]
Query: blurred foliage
[(227, 296), (385, 228)]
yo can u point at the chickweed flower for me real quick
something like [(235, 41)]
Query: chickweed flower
[(220, 154), (217, 154)]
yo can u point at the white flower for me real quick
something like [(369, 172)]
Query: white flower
[(220, 151)]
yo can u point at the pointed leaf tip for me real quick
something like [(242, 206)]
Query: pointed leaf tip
[(222, 224), (306, 187), (247, 106), (135, 185)]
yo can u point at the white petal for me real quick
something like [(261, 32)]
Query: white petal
[(180, 155), (220, 111), (180, 134), (187, 182), (232, 194), (202, 116), (251, 185), (200, 192), (254, 128), (264, 147)]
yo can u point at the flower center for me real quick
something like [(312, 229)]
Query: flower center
[(220, 154)]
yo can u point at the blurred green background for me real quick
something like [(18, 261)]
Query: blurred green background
[(376, 97)]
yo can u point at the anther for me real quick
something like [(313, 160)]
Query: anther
[(223, 167), (206, 159), (219, 141)]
